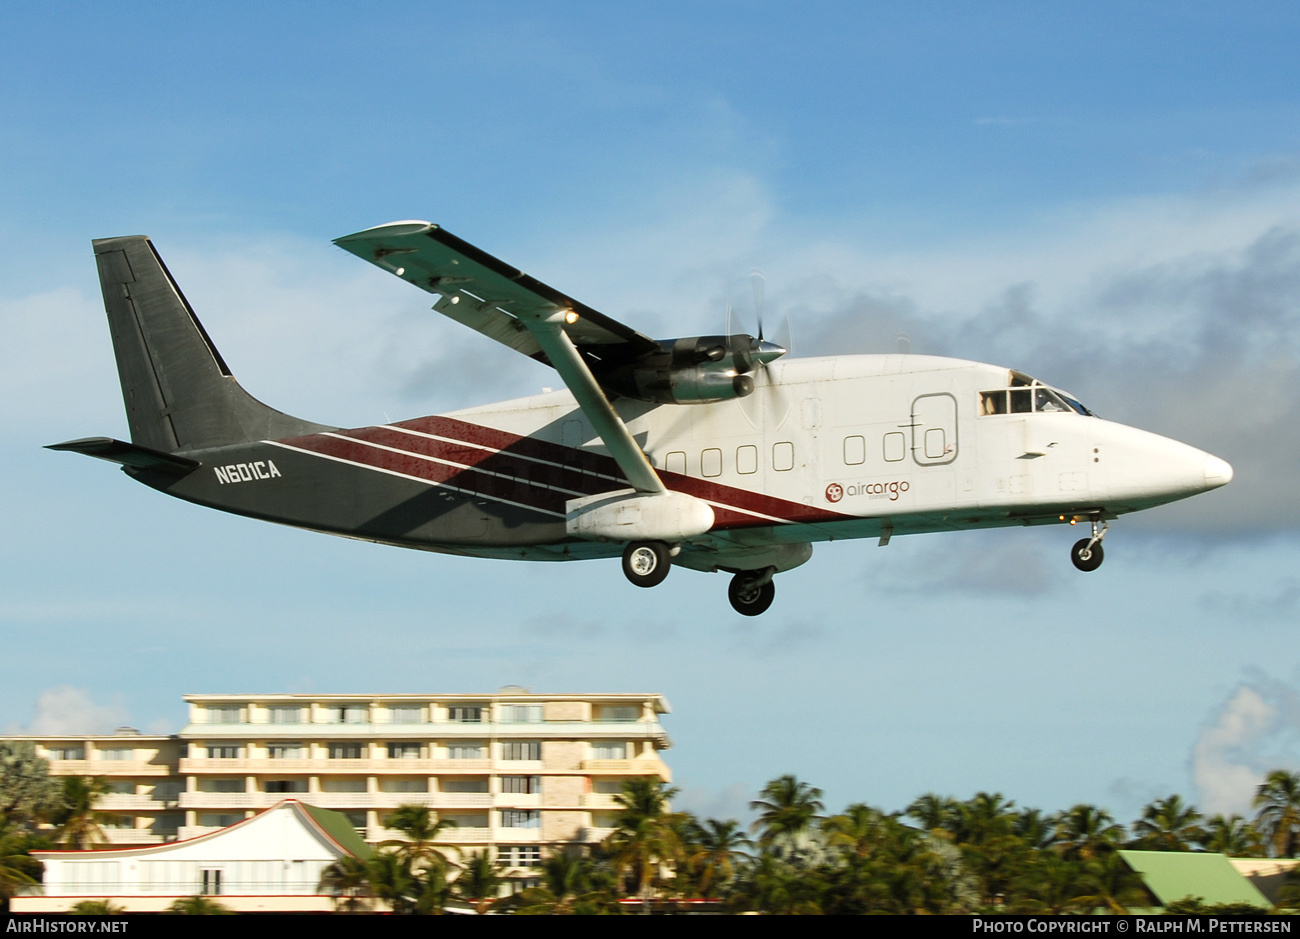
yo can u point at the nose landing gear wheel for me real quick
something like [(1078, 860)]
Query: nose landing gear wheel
[(646, 563), (750, 594), (1086, 555)]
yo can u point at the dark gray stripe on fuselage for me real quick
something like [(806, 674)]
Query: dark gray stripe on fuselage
[(294, 488)]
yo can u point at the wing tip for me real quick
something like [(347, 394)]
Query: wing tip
[(389, 230)]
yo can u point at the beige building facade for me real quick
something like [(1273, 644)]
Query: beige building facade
[(518, 773)]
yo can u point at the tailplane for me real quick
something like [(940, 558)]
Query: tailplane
[(179, 394)]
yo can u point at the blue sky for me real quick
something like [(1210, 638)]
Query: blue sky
[(1104, 195)]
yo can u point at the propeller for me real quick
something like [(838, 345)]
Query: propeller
[(756, 355)]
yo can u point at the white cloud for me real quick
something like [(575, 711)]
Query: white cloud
[(68, 710), (1256, 730)]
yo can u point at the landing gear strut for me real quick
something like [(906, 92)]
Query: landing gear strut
[(752, 592), (646, 563), (1087, 553)]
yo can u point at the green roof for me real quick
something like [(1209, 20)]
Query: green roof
[(1173, 875), (338, 827)]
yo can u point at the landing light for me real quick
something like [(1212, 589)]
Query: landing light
[(571, 317), (401, 271)]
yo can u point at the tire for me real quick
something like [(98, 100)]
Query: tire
[(748, 600), (646, 563), (1085, 559)]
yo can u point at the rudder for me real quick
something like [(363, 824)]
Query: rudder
[(178, 391)]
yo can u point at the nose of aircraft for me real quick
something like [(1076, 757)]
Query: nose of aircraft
[(1217, 472)]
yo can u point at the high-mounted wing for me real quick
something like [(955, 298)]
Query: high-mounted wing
[(507, 305), (488, 295)]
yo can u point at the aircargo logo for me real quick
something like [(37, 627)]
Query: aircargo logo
[(246, 472), (890, 490)]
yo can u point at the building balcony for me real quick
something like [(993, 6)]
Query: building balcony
[(641, 767), (110, 768), (450, 836), (126, 802), (120, 836), (352, 801), (594, 835), (327, 767)]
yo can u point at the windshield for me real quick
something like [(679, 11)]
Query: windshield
[(1027, 396)]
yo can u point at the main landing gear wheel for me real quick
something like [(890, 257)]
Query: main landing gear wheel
[(751, 592), (646, 563)]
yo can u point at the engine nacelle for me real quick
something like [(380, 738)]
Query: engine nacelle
[(694, 370)]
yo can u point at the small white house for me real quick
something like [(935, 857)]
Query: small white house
[(271, 862)]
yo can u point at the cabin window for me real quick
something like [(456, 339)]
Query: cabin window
[(993, 402), (747, 460), (855, 450), (711, 462), (1027, 396), (675, 462), (895, 447), (783, 456)]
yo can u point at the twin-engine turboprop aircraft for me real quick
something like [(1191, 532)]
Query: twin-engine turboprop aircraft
[(710, 452)]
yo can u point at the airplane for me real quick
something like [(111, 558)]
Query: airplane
[(711, 453)]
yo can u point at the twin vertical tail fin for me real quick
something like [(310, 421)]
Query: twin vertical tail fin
[(179, 394)]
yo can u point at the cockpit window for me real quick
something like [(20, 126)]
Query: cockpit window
[(1026, 396)]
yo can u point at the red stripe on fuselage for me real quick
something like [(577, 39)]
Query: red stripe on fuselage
[(573, 470)]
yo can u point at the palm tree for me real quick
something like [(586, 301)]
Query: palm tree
[(76, 817), (859, 829), (393, 881), (422, 826), (1116, 886), (786, 807), (716, 849), (197, 906), (1233, 836), (479, 882), (645, 835), (1278, 801), (1085, 830), (348, 881), (933, 811), (1168, 825), (18, 868), (96, 908)]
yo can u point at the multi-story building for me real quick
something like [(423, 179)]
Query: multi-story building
[(518, 773)]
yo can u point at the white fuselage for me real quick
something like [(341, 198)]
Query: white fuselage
[(874, 444)]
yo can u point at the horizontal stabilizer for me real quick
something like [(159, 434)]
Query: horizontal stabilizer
[(128, 454)]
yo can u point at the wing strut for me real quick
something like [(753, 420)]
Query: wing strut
[(559, 348)]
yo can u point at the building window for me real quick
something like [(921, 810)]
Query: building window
[(67, 753), (465, 751), (357, 820), (521, 818), (285, 751), (521, 750), (464, 785), (404, 715), (348, 714), (221, 785), (609, 751), (286, 715), (403, 751), (521, 713), (223, 753), (621, 713), (403, 785), (215, 820), (521, 855), (223, 715), (286, 785), (521, 784), (343, 785), (608, 786), (117, 753), (345, 751), (467, 715), (211, 881)]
